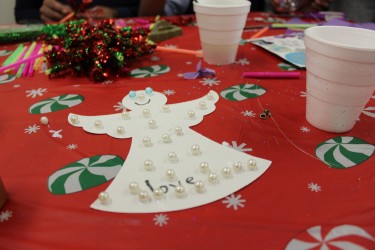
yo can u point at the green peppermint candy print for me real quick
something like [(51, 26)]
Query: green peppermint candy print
[(5, 52), (56, 103), (370, 111), (243, 41), (7, 78), (154, 70), (344, 151), (243, 91), (286, 66), (85, 173)]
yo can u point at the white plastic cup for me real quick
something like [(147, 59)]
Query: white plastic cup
[(340, 79), (220, 24)]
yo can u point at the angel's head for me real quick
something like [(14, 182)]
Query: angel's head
[(141, 99)]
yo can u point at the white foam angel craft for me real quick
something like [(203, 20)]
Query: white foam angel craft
[(169, 166)]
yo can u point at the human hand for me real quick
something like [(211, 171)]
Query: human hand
[(52, 10), (290, 6), (101, 12), (313, 6), (285, 6)]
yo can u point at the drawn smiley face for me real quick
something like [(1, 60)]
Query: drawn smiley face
[(143, 98)]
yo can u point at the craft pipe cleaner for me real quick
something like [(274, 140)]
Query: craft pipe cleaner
[(280, 75)]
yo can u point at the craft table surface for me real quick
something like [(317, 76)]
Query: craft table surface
[(300, 202)]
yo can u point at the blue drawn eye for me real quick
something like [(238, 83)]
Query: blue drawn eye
[(149, 91), (132, 94)]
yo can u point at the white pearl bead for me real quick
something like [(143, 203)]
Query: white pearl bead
[(146, 113), (151, 123), (149, 165), (158, 192), (199, 186), (195, 149), (204, 167), (166, 138), (103, 197), (252, 164), (166, 108), (191, 114), (98, 124), (44, 120), (134, 187), (147, 141), (202, 105), (120, 130), (144, 196), (226, 172), (210, 96), (125, 115), (180, 191), (212, 177), (171, 174), (172, 156), (178, 130), (74, 119), (238, 166)]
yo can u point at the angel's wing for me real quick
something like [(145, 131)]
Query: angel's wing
[(193, 111), (115, 125)]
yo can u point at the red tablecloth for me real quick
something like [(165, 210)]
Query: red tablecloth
[(299, 203)]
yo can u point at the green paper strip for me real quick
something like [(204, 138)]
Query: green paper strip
[(27, 55), (14, 56), (292, 25)]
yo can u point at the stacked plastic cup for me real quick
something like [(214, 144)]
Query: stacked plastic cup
[(220, 24), (340, 79)]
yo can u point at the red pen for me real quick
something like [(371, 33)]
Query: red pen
[(280, 75)]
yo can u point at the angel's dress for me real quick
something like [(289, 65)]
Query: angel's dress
[(147, 164)]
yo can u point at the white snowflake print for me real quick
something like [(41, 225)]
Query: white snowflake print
[(5, 215), (107, 82), (154, 58), (161, 220), (72, 146), (188, 63), (171, 46), (243, 61), (169, 92), (305, 129), (210, 81), (180, 75), (234, 201), (248, 113), (35, 92), (32, 129), (119, 106), (76, 85), (240, 148), (314, 187), (303, 94), (56, 133), (16, 86)]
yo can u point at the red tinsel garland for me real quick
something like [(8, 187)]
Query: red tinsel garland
[(100, 51)]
